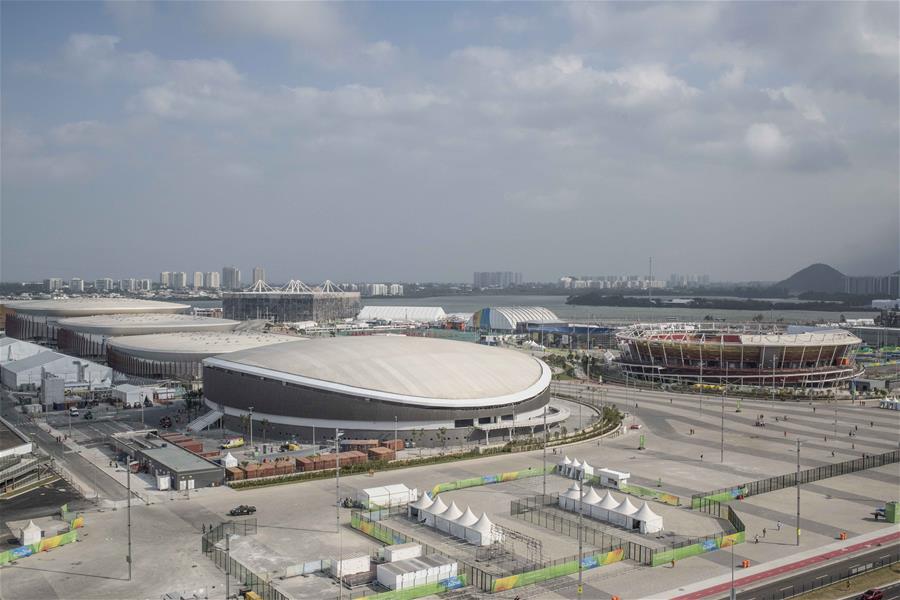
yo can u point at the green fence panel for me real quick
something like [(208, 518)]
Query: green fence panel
[(567, 568), (422, 590)]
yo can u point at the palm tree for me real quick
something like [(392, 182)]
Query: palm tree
[(264, 423)]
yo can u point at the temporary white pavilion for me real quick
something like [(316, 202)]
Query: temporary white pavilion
[(436, 508), (443, 521), (569, 499), (418, 508), (620, 514), (458, 527), (647, 520), (482, 533)]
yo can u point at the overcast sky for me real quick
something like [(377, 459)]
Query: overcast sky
[(424, 141)]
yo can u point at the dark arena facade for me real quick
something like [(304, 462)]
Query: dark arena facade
[(374, 386), (743, 355), (295, 302)]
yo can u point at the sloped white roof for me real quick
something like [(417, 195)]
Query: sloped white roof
[(423, 502), (626, 508), (452, 513), (572, 493), (592, 497), (31, 527), (576, 464), (645, 514), (468, 518), (437, 507), (422, 314), (565, 461), (608, 502), (483, 525)]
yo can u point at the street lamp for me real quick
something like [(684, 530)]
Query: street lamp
[(251, 429), (338, 434)]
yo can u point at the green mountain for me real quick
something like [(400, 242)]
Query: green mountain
[(814, 278)]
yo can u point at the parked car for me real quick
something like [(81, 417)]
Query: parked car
[(88, 416), (635, 426), (73, 412), (243, 509), (233, 443), (873, 594)]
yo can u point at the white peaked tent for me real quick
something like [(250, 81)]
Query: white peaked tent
[(575, 469), (601, 509), (621, 515), (569, 499), (30, 534), (592, 497), (417, 509), (229, 461), (458, 527), (647, 520), (481, 533), (563, 466), (436, 508), (442, 521), (587, 470)]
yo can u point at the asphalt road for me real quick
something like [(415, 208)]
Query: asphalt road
[(105, 486)]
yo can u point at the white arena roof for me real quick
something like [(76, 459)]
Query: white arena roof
[(420, 314), (193, 345), (414, 370), (147, 323), (80, 307)]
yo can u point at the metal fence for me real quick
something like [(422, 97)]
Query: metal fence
[(771, 484), (221, 558), (800, 585), (534, 510)]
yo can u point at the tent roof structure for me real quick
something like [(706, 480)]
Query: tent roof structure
[(452, 513), (483, 525), (437, 507), (423, 502), (468, 518), (608, 502), (626, 508), (646, 514), (592, 497)]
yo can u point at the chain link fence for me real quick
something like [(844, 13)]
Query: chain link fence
[(212, 550)]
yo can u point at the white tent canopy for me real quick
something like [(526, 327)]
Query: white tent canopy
[(592, 497), (649, 521)]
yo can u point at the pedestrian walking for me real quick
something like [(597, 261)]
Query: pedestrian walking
[(785, 433), (778, 525), (756, 539), (832, 453), (856, 428), (764, 532), (701, 458), (814, 410)]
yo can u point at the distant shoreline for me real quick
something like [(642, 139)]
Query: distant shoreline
[(595, 299)]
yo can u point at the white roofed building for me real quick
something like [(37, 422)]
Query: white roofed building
[(402, 314)]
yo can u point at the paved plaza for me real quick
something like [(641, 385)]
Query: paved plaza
[(298, 521)]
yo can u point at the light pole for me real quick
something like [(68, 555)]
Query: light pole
[(251, 428), (798, 492), (732, 596), (545, 451), (395, 428), (128, 480), (227, 565), (337, 490), (580, 534)]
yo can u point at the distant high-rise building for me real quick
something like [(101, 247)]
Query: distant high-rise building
[(259, 274), (396, 289), (179, 280), (145, 284), (496, 279), (128, 285), (104, 284), (198, 280), (376, 289), (888, 285), (231, 278), (76, 284), (165, 279), (212, 280), (53, 284)]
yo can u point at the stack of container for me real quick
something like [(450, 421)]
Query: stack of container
[(381, 454), (353, 457), (267, 469), (304, 464), (284, 466), (324, 461), (393, 444), (360, 445), (234, 473), (414, 572), (251, 471)]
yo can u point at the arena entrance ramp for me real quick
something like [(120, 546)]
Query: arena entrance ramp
[(204, 421)]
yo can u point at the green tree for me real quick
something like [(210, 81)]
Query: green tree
[(264, 424), (442, 438)]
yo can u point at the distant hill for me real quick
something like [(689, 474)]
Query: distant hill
[(814, 278)]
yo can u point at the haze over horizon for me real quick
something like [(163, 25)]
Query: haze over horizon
[(402, 141)]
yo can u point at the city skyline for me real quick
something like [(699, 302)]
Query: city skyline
[(730, 145)]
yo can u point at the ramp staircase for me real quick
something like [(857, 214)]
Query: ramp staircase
[(204, 421)]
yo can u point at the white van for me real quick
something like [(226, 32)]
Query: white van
[(73, 412)]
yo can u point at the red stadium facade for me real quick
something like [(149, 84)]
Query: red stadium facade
[(739, 355)]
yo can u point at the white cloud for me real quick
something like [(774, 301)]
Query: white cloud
[(514, 23), (82, 132), (766, 142)]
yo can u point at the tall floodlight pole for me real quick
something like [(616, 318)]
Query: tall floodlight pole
[(700, 382), (732, 596), (128, 480), (798, 492), (580, 532), (774, 359), (545, 450), (337, 491), (251, 429), (835, 422), (395, 427), (724, 392), (227, 565)]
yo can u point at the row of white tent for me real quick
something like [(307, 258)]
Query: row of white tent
[(458, 523), (607, 508), (581, 470)]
